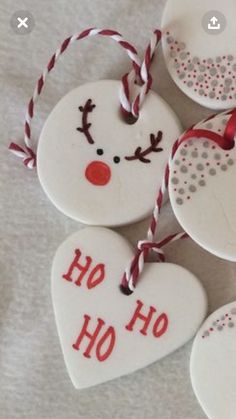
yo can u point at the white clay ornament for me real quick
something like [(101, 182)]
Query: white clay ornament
[(202, 185), (98, 169), (213, 364), (95, 167), (198, 43), (105, 334)]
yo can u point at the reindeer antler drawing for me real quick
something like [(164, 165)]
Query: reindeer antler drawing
[(140, 154), (86, 109)]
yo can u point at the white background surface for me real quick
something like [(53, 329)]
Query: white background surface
[(33, 379)]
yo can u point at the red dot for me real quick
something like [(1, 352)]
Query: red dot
[(98, 173)]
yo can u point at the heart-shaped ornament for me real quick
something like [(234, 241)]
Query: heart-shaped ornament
[(213, 364), (105, 334)]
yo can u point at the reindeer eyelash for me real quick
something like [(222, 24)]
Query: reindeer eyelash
[(86, 109), (140, 154)]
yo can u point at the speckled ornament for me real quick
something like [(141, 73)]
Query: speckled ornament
[(213, 364), (200, 60), (202, 190)]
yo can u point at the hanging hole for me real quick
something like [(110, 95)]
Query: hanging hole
[(127, 117), (125, 290), (230, 145)]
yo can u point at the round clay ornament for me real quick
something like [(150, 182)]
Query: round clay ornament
[(213, 364), (95, 167), (198, 43), (202, 190), (105, 334)]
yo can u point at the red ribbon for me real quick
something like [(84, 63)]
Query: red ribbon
[(225, 141)]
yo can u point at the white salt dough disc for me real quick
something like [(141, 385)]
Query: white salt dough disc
[(86, 174), (213, 364), (86, 274), (202, 62), (202, 191)]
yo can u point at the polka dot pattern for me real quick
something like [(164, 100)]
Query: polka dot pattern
[(227, 321), (212, 78), (197, 161)]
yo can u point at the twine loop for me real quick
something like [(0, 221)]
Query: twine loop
[(130, 107)]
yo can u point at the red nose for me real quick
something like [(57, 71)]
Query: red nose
[(98, 173)]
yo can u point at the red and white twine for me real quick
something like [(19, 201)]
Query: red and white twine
[(136, 265), (145, 78), (141, 71)]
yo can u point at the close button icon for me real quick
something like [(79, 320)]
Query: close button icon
[(22, 22)]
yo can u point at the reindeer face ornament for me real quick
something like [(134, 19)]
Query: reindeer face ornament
[(95, 167)]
